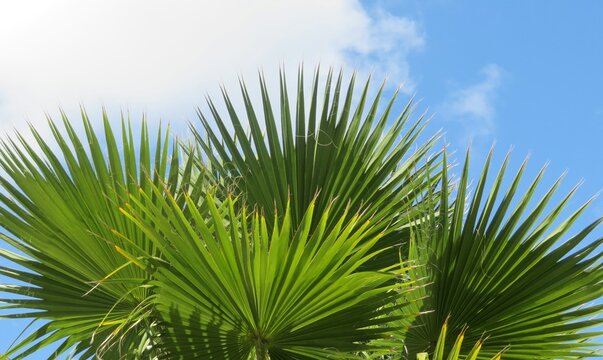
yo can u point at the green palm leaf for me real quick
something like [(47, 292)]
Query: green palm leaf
[(60, 213), (455, 351), (345, 150), (256, 291), (505, 271)]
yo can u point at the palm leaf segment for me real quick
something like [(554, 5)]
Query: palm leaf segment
[(60, 214), (439, 352), (350, 153), (260, 292), (503, 270)]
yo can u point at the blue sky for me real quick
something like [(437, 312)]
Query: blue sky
[(547, 96), (519, 74)]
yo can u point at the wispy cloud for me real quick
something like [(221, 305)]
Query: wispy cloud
[(474, 105), (163, 57), (385, 49)]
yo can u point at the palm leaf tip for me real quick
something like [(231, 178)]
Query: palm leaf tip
[(454, 352)]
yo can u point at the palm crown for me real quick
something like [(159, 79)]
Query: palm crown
[(316, 230)]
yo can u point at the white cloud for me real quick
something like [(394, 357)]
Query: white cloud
[(390, 40), (473, 105), (162, 57)]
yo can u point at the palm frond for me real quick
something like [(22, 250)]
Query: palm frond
[(61, 214), (508, 272), (259, 292), (348, 150)]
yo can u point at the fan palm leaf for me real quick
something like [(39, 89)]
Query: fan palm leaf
[(504, 270), (348, 150), (260, 292), (59, 213)]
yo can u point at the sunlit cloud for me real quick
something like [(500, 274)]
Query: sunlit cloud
[(162, 58)]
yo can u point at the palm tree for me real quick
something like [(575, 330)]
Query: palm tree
[(314, 230)]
